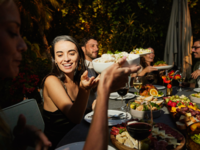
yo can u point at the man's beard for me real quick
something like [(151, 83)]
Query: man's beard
[(90, 55)]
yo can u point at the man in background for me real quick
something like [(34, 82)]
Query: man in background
[(90, 48), (195, 81)]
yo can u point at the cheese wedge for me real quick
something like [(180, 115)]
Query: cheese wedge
[(188, 114), (128, 143)]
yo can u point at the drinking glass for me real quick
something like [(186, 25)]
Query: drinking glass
[(137, 83), (141, 130), (181, 80), (122, 92)]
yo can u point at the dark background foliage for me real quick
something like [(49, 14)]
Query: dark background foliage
[(118, 24)]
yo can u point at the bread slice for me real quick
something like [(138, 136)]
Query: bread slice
[(181, 125)]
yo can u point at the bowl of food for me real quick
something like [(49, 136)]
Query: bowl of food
[(106, 60), (139, 108), (195, 98)]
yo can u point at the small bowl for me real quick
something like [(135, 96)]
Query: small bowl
[(99, 67), (142, 114), (194, 99)]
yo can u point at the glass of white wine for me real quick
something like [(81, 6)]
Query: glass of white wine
[(137, 83), (181, 80)]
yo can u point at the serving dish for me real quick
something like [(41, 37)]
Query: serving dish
[(168, 131), (195, 98), (100, 66), (163, 67)]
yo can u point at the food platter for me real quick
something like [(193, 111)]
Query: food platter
[(121, 146), (183, 111), (163, 67)]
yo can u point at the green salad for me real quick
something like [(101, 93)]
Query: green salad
[(159, 62), (196, 138)]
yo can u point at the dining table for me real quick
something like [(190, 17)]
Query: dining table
[(80, 131)]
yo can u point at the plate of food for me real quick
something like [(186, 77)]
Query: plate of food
[(139, 108), (107, 60), (116, 96), (161, 137), (149, 90), (193, 136), (195, 97), (140, 51), (77, 146), (162, 65), (111, 121)]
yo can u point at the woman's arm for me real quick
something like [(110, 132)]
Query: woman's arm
[(148, 69), (98, 134), (57, 94)]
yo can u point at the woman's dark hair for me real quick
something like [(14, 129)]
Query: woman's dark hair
[(143, 62), (55, 69)]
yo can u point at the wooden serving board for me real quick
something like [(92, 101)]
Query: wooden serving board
[(120, 146)]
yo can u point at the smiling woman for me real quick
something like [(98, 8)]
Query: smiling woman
[(66, 89)]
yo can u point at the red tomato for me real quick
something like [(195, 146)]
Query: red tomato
[(173, 104), (169, 103), (169, 86)]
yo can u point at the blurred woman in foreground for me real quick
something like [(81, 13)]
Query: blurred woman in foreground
[(11, 47)]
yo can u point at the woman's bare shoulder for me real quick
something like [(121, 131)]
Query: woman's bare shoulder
[(51, 79)]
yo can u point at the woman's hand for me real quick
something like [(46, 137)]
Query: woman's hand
[(88, 83), (26, 135), (149, 69), (115, 77)]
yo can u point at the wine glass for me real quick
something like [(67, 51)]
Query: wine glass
[(122, 92), (181, 80), (141, 130), (137, 83)]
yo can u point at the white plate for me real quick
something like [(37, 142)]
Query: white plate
[(115, 95), (159, 87), (110, 121), (77, 146), (196, 90), (155, 96), (163, 67)]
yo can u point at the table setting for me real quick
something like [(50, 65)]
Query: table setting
[(140, 114)]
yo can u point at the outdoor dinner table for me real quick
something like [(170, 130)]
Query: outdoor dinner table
[(80, 131)]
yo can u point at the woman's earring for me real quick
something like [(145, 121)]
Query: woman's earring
[(79, 66)]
